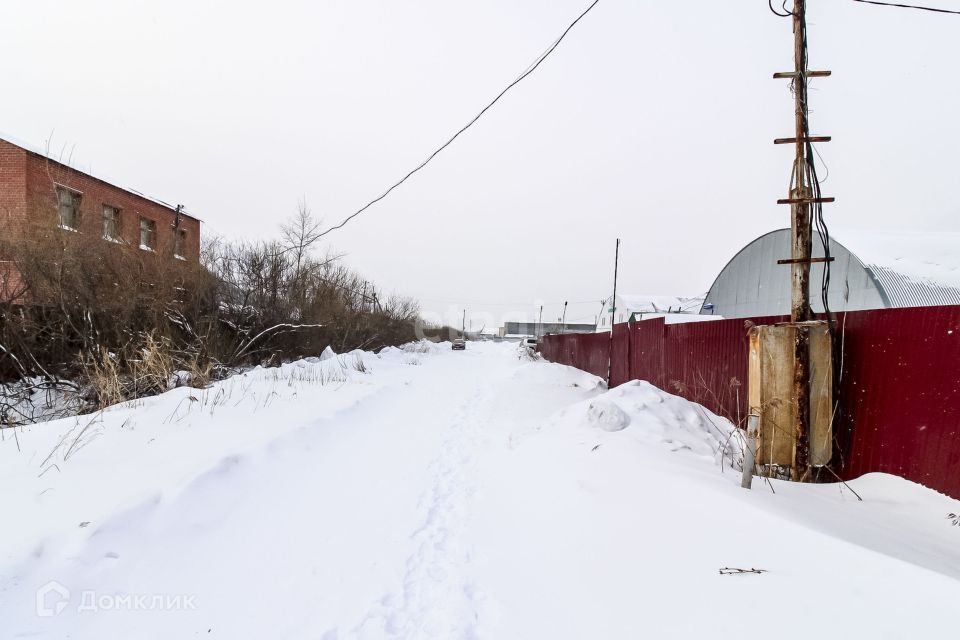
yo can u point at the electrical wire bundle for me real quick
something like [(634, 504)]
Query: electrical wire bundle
[(813, 180)]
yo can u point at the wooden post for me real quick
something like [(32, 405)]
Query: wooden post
[(750, 451)]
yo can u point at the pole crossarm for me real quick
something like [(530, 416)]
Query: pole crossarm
[(808, 74), (802, 139), (804, 260), (824, 200)]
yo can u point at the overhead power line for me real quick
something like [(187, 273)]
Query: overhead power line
[(786, 12), (908, 6), (446, 144)]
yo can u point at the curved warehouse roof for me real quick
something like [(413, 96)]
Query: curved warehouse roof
[(871, 270)]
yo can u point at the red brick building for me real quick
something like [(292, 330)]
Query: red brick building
[(40, 196)]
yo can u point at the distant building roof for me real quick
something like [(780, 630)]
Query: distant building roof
[(683, 318), (642, 303)]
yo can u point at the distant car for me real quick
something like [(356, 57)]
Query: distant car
[(459, 345), (530, 344)]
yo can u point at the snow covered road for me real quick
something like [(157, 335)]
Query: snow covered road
[(445, 495)]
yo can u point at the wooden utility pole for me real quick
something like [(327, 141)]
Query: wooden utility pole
[(563, 319), (613, 300), (613, 310), (801, 227), (801, 198), (463, 325), (801, 245), (540, 323)]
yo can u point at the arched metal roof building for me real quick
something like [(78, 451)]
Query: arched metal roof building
[(874, 271)]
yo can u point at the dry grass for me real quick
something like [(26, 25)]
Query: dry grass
[(102, 372), (143, 369), (199, 371), (150, 373), (355, 362)]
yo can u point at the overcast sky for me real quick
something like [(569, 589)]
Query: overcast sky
[(652, 122)]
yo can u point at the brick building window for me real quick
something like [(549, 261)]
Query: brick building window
[(111, 223), (180, 243), (68, 208), (148, 234)]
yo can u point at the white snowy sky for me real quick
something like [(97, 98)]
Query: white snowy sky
[(653, 122)]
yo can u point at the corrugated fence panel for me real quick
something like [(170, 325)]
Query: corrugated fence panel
[(706, 362), (593, 351), (620, 364), (550, 347), (899, 403), (646, 352), (900, 394)]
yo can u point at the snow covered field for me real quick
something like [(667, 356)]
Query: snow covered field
[(449, 495)]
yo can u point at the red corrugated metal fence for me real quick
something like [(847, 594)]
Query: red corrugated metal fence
[(899, 402)]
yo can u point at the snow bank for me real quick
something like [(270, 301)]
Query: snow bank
[(655, 416), (82, 468), (327, 354), (607, 416)]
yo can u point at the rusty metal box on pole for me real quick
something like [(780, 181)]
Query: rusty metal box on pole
[(772, 391)]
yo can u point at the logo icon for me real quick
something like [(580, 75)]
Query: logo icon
[(52, 599)]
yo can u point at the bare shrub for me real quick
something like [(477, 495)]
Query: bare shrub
[(530, 354), (121, 321), (440, 333)]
